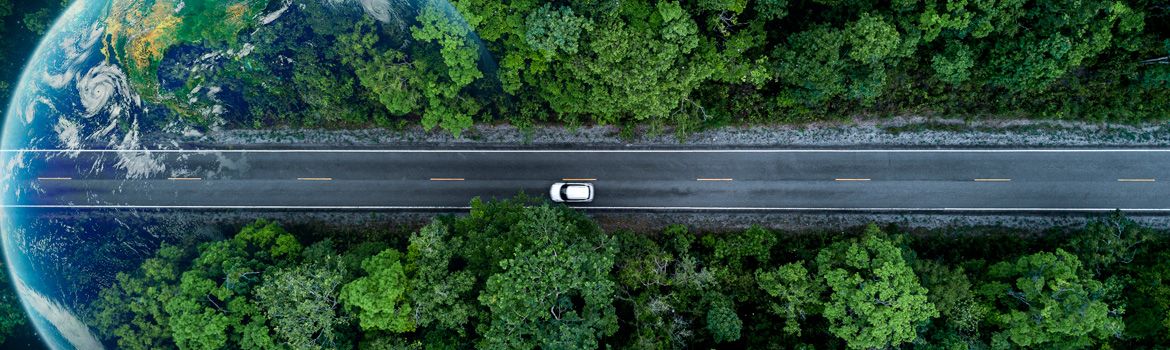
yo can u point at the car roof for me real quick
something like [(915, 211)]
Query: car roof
[(574, 191)]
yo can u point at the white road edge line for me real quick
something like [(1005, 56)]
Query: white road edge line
[(576, 207), (1128, 150)]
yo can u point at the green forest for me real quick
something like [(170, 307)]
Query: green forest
[(705, 63), (21, 25), (519, 274), (686, 65)]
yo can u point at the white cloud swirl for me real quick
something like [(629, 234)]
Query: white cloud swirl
[(103, 83)]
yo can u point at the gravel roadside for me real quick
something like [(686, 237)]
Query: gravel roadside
[(902, 132)]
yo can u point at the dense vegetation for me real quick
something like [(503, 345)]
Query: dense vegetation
[(688, 64), (11, 315), (699, 63), (514, 275), (21, 24)]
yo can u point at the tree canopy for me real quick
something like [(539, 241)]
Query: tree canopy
[(521, 274)]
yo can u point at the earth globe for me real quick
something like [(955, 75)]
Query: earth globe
[(115, 82)]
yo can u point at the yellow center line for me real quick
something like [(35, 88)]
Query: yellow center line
[(715, 179), (54, 178), (315, 178), (851, 179), (447, 179), (993, 180), (578, 179), (1136, 180), (185, 178)]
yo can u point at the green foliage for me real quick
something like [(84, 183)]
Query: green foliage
[(555, 32), (1048, 300), (796, 294), (439, 295), (132, 310), (460, 53), (755, 243), (38, 22), (722, 321), (215, 300), (516, 274), (1105, 244), (531, 302), (664, 287), (1148, 309), (771, 9), (393, 81), (875, 299), (301, 304), (11, 314), (656, 63), (951, 291), (954, 65), (380, 298)]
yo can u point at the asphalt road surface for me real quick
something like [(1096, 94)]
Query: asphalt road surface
[(841, 180)]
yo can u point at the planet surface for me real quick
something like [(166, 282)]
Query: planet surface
[(136, 76)]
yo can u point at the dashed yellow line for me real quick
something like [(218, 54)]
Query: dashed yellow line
[(851, 180), (54, 178), (315, 178), (447, 179), (1136, 180), (578, 179), (714, 179), (993, 180)]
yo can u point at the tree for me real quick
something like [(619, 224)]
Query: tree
[(722, 321), (1048, 300), (643, 66), (458, 68), (950, 290), (771, 9), (753, 245), (1104, 244), (555, 292), (301, 304), (215, 305), (1031, 60), (438, 295), (555, 32), (796, 292), (665, 287), (132, 309), (1148, 304), (823, 63), (387, 74), (875, 300), (380, 297)]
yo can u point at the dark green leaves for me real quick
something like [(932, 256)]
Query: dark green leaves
[(379, 299)]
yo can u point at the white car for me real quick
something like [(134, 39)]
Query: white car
[(571, 192)]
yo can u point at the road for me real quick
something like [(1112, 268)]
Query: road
[(829, 180)]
